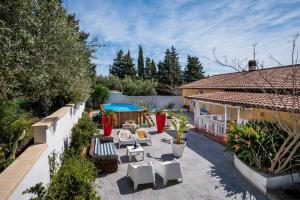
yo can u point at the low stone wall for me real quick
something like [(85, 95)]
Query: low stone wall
[(31, 167), (265, 182)]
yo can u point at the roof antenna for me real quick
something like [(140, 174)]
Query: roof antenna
[(254, 50)]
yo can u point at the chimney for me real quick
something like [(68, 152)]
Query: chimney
[(252, 65)]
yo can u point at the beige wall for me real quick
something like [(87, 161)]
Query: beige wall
[(253, 113), (189, 92)]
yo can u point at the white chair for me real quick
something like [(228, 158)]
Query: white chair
[(169, 170), (141, 174), (125, 137), (141, 140)]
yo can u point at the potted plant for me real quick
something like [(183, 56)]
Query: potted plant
[(170, 116), (180, 124), (160, 120), (107, 122)]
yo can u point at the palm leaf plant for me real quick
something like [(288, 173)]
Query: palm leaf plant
[(180, 124)]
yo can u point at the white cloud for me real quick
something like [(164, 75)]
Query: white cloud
[(193, 27)]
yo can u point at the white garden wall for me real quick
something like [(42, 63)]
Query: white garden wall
[(31, 167), (160, 101)]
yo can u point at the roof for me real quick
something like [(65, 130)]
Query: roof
[(268, 78), (260, 100)]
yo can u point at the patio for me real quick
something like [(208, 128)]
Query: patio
[(208, 173)]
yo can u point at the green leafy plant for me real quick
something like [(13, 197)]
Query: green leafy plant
[(180, 124), (99, 94), (74, 180), (170, 105), (160, 111), (15, 126), (53, 163), (256, 142), (138, 87), (82, 132), (170, 115)]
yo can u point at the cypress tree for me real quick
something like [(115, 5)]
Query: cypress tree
[(141, 68), (193, 70)]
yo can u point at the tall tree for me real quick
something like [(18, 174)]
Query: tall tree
[(193, 70), (118, 66), (43, 55), (129, 65), (147, 68), (150, 69), (169, 71), (141, 68), (153, 69)]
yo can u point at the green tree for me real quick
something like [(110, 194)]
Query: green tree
[(118, 67), (129, 65), (99, 94), (138, 87), (43, 55), (15, 124), (123, 65), (150, 69), (141, 68), (193, 70), (169, 73)]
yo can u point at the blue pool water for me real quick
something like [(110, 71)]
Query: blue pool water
[(121, 107)]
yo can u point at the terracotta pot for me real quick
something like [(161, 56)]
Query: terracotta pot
[(161, 122), (107, 124)]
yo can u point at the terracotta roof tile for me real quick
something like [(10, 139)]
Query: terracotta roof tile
[(260, 100), (268, 78)]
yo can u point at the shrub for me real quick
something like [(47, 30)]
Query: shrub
[(82, 132), (99, 94), (74, 180), (111, 82), (15, 130), (256, 142), (138, 87)]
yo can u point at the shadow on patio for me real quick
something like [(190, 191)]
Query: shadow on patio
[(221, 167)]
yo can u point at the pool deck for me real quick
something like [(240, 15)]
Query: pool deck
[(208, 173)]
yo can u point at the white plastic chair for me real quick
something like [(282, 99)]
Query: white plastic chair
[(141, 174), (146, 140), (126, 137), (169, 170)]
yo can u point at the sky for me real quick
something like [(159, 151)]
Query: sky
[(193, 27)]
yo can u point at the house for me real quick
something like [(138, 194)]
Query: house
[(270, 94)]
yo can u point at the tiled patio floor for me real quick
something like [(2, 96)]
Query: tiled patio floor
[(208, 173)]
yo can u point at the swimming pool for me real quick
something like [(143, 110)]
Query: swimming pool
[(124, 112), (119, 107)]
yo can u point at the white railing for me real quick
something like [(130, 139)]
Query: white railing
[(211, 125), (218, 117)]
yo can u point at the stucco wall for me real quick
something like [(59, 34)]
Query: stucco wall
[(31, 167), (250, 113), (160, 101)]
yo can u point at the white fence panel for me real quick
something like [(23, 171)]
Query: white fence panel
[(160, 101)]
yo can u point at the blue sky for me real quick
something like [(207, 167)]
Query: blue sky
[(194, 27)]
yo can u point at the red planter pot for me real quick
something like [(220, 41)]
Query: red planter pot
[(107, 124), (161, 122)]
